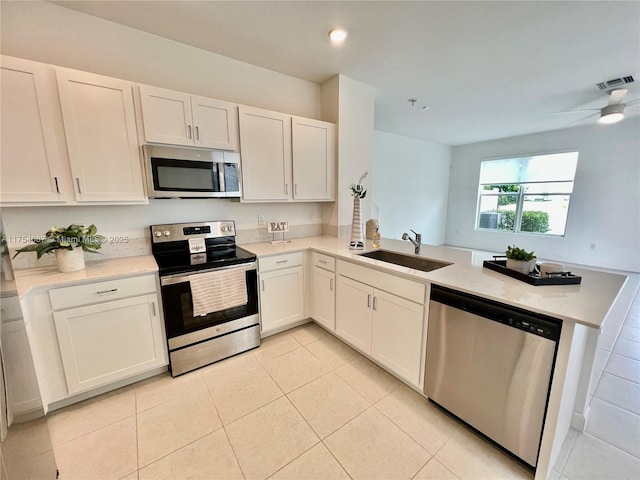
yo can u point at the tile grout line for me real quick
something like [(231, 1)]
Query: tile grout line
[(233, 450), (617, 406)]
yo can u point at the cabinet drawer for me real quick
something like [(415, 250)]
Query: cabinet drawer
[(10, 309), (324, 261), (280, 261), (402, 287), (97, 292)]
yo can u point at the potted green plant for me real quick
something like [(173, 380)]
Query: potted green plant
[(520, 260), (69, 245)]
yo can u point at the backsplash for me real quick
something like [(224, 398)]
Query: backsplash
[(125, 246)]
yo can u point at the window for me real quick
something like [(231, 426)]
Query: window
[(526, 194)]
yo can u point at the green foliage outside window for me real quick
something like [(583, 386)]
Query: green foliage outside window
[(505, 199), (532, 221)]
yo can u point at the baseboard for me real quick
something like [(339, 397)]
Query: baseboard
[(107, 388), (579, 419)]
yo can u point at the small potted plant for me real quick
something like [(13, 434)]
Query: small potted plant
[(520, 260), (68, 244)]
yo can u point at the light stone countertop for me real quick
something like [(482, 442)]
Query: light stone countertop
[(587, 303), (95, 270)]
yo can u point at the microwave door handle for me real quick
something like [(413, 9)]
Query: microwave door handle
[(221, 177)]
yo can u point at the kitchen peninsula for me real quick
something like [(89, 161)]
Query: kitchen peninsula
[(583, 310)]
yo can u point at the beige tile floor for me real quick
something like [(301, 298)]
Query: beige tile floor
[(609, 448), (302, 406), (306, 406)]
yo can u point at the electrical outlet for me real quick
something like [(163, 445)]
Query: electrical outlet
[(261, 220)]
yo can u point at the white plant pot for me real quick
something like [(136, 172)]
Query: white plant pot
[(70, 260), (521, 266)]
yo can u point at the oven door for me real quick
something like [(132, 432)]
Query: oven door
[(180, 322)]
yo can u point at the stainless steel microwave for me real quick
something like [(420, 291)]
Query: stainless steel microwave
[(182, 172)]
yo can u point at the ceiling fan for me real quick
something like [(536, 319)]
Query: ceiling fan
[(613, 112)]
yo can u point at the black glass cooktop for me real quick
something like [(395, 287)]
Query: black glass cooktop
[(180, 260)]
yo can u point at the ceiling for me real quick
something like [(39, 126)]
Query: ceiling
[(486, 70)]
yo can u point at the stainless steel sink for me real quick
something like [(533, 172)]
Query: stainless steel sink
[(409, 261)]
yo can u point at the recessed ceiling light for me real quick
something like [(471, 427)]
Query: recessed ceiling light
[(338, 35)]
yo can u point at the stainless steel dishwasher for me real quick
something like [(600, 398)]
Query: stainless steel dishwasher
[(490, 365)]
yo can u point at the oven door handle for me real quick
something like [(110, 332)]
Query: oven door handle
[(181, 278)]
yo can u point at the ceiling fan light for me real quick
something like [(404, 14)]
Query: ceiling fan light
[(338, 36), (611, 114)]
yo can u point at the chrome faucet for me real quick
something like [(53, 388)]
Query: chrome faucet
[(416, 242)]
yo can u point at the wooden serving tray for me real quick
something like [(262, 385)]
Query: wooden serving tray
[(567, 278)]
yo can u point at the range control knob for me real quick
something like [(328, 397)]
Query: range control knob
[(158, 233), (223, 228), (167, 233)]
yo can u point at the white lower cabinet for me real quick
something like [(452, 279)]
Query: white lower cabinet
[(22, 386), (396, 340), (381, 324), (88, 338), (281, 291), (323, 284), (353, 313), (324, 298), (103, 343)]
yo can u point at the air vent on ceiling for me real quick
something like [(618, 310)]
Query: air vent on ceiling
[(615, 82)]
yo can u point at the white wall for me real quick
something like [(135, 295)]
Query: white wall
[(53, 34), (350, 104), (603, 227), (410, 186)]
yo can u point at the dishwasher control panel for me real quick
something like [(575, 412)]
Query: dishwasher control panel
[(531, 322)]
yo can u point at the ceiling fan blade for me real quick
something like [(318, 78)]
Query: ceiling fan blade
[(584, 118), (577, 111), (616, 96), (631, 102)]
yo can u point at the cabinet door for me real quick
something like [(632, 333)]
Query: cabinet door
[(22, 385), (353, 313), (324, 298), (100, 127), (281, 298), (397, 335), (30, 158), (104, 343), (166, 116), (265, 148), (215, 123), (313, 144)]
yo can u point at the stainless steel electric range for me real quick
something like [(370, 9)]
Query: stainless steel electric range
[(209, 293)]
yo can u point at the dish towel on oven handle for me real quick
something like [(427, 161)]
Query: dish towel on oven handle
[(218, 290)]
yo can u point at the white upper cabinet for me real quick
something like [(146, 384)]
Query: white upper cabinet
[(265, 149), (313, 159), (285, 157), (99, 124), (30, 157), (177, 118), (216, 123)]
